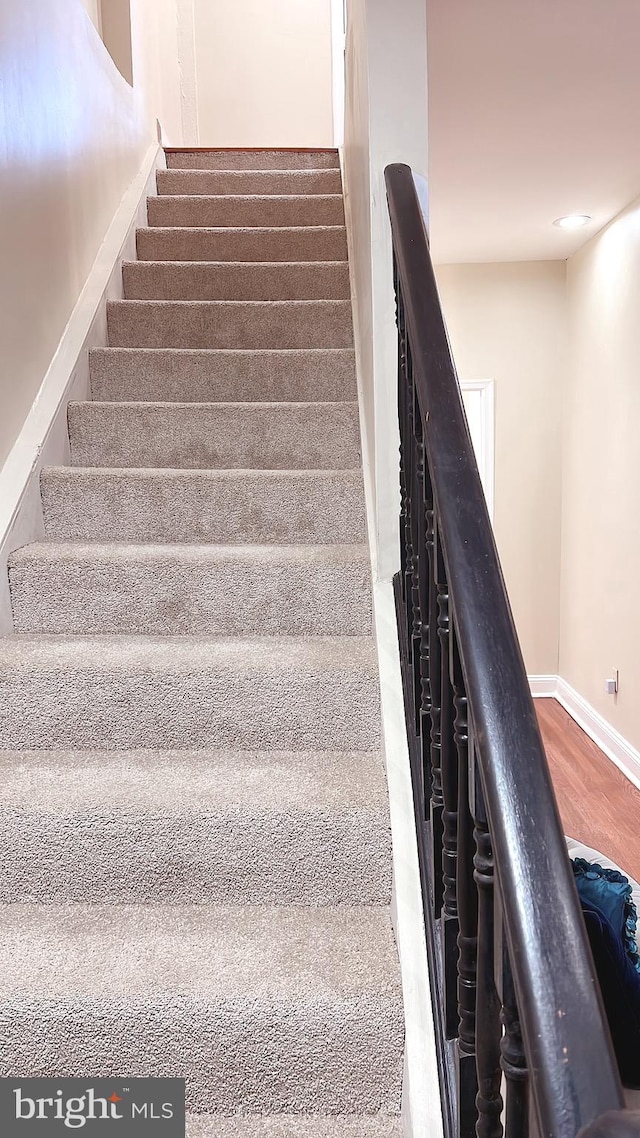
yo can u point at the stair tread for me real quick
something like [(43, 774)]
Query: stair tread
[(227, 305), (230, 323), (225, 374), (76, 587), (216, 506), (276, 405), (253, 653), (272, 210), (236, 280), (323, 181), (234, 243), (294, 1126), (254, 230), (192, 826), (156, 435), (193, 780), (74, 551), (249, 474), (251, 197), (250, 169), (269, 158), (311, 266), (127, 953), (271, 170)]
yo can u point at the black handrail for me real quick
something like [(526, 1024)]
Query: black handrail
[(525, 1004)]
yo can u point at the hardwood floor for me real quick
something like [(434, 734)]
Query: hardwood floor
[(598, 805)]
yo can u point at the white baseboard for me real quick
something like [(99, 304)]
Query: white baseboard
[(614, 745), (43, 439), (611, 742), (543, 686)]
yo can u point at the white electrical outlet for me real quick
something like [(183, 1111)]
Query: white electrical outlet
[(611, 685)]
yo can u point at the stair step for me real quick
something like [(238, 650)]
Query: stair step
[(294, 1126), (296, 243), (236, 280), (122, 692), (239, 210), (200, 436), (185, 827), (275, 159), (229, 324), (191, 589), (204, 506), (226, 376), (289, 1009), (212, 182)]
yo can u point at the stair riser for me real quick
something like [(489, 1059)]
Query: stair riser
[(207, 324), (215, 436), (240, 211), (211, 182), (307, 1056), (127, 857), (122, 374), (269, 509), (253, 160), (149, 280), (212, 706), (170, 596), (328, 243)]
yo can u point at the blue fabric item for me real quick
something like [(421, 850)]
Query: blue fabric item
[(620, 986), (610, 892)]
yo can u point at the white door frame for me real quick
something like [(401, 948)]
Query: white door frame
[(479, 402)]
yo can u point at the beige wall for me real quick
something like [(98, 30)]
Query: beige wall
[(357, 186), (115, 28), (600, 621), (385, 122), (93, 9), (73, 137), (507, 322), (264, 72)]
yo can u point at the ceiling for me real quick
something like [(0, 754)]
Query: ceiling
[(534, 113)]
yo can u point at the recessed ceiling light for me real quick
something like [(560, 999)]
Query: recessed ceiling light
[(572, 221)]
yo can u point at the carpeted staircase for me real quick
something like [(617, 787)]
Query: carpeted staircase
[(195, 864)]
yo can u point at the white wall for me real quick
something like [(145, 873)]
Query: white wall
[(73, 134), (507, 322), (600, 609), (385, 122), (264, 72)]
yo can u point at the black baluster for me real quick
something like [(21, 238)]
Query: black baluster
[(513, 1059), (425, 586), (402, 422), (412, 503), (467, 905), (437, 804), (419, 558), (489, 1100), (449, 775)]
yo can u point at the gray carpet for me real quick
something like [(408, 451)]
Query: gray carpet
[(195, 871)]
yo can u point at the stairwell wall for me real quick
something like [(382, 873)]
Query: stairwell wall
[(264, 72), (600, 614), (385, 122), (74, 135)]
